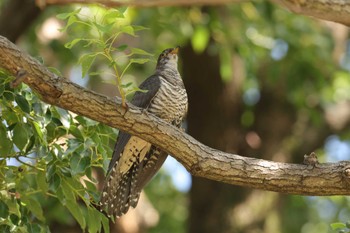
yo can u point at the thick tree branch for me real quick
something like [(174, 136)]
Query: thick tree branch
[(200, 160), (331, 10)]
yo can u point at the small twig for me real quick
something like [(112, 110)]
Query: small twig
[(20, 76), (27, 164), (311, 159)]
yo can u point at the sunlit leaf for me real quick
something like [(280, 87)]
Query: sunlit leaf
[(104, 28), (139, 28), (113, 14), (72, 19), (122, 47), (86, 61), (38, 131), (69, 14), (70, 44), (128, 30), (140, 52), (338, 225), (139, 60), (126, 85)]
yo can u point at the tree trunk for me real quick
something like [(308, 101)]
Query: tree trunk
[(214, 114)]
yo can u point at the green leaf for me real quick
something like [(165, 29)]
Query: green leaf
[(34, 206), (72, 19), (76, 132), (55, 71), (9, 96), (86, 61), (71, 16), (139, 28), (20, 136), (140, 52), (4, 210), (127, 85), (70, 44), (5, 228), (94, 220), (338, 225), (6, 144), (41, 181), (34, 228), (104, 28), (67, 191), (79, 163), (139, 60), (77, 213), (30, 145), (38, 131), (105, 224), (55, 182), (122, 47), (128, 30), (140, 90), (112, 14), (64, 16), (22, 103), (98, 73)]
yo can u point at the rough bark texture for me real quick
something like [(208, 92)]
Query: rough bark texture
[(331, 10), (200, 160)]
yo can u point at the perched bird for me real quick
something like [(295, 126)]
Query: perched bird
[(135, 161)]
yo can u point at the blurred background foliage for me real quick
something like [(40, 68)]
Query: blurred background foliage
[(262, 82)]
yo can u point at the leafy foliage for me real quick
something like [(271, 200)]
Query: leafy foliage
[(47, 155), (106, 27), (341, 227)]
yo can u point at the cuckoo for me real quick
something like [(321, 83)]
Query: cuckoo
[(135, 161)]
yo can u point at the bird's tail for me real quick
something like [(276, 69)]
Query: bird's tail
[(120, 192)]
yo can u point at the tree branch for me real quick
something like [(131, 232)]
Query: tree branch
[(199, 160), (331, 10)]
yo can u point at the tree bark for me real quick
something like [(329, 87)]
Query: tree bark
[(214, 119), (199, 159), (331, 10)]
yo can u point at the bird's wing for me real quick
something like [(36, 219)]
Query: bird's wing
[(132, 158), (142, 100)]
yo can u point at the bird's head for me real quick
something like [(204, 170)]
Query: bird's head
[(168, 58)]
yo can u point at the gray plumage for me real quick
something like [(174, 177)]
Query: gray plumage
[(135, 161)]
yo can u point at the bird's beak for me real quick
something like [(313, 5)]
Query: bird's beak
[(175, 50)]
